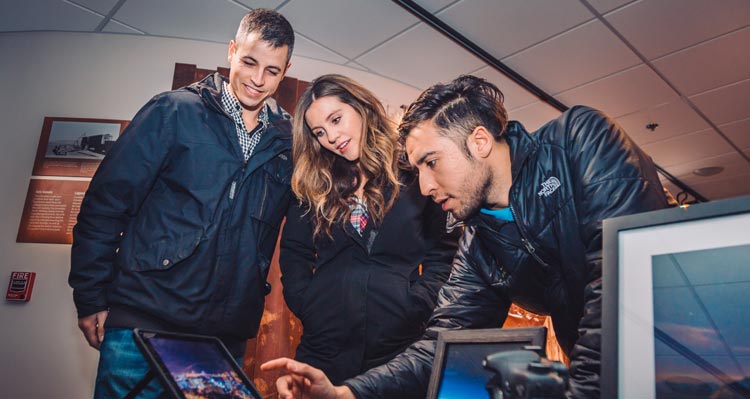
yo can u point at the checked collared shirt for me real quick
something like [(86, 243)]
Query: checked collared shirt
[(248, 140)]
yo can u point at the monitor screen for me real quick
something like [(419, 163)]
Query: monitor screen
[(458, 372), (463, 375)]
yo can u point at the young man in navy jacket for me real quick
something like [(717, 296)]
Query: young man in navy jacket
[(180, 221), (532, 206)]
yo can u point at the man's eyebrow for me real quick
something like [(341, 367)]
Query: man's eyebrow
[(253, 60), (424, 156)]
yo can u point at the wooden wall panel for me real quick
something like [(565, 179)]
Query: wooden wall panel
[(518, 317)]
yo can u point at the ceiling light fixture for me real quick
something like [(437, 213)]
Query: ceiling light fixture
[(708, 171)]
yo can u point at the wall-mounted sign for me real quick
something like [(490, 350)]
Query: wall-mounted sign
[(75, 146)]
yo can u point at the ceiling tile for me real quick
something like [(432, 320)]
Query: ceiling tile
[(738, 132), (726, 104), (434, 6), (534, 116), (306, 48), (658, 27), (272, 4), (710, 64), (101, 6), (687, 148), (348, 27), (727, 188), (503, 27), (604, 6), (49, 15), (113, 26), (580, 55), (514, 95), (622, 93), (355, 65), (674, 118), (214, 21), (421, 57)]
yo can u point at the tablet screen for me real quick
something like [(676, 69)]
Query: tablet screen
[(198, 367)]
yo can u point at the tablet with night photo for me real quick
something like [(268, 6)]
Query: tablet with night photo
[(194, 366)]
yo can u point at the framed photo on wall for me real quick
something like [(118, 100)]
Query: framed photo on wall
[(75, 146), (457, 370), (676, 302)]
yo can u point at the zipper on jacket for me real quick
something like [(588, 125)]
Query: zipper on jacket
[(232, 189), (526, 243)]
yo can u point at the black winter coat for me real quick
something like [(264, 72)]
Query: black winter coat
[(361, 299), (176, 230), (568, 176)]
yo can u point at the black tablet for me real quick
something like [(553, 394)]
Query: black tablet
[(194, 366)]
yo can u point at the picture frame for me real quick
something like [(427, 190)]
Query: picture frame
[(457, 370), (674, 302), (75, 146)]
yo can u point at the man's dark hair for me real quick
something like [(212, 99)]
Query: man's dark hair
[(457, 108), (272, 27)]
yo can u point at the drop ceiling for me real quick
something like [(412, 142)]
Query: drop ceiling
[(681, 64)]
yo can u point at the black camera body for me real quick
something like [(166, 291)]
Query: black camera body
[(524, 374)]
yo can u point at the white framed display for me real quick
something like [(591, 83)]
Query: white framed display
[(676, 302)]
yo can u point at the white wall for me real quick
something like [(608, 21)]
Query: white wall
[(42, 352)]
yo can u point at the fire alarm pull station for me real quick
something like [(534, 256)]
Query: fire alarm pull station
[(19, 287)]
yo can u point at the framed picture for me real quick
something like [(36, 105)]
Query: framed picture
[(457, 370), (74, 146), (675, 305)]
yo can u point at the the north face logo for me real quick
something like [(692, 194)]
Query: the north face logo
[(549, 186)]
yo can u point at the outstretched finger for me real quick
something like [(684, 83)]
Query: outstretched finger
[(297, 368)]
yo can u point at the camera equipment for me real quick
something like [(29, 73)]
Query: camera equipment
[(524, 374)]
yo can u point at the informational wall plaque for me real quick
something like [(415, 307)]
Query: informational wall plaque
[(51, 210), (75, 146)]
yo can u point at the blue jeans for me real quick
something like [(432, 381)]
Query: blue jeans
[(121, 366)]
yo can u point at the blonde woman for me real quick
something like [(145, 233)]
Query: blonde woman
[(351, 250)]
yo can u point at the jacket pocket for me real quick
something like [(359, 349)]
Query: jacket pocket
[(165, 253), (275, 192)]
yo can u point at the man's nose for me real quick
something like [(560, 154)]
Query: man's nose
[(426, 184), (258, 78)]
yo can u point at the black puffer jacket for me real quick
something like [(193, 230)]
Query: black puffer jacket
[(568, 176)]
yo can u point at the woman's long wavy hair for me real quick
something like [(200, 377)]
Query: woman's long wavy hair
[(324, 182)]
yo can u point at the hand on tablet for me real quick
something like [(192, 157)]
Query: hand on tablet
[(93, 328), (304, 381)]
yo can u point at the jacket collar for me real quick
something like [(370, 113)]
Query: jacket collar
[(522, 146), (210, 87)]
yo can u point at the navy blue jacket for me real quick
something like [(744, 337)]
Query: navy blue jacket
[(568, 176), (175, 228)]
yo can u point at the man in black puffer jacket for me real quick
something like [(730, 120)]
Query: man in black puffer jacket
[(533, 206)]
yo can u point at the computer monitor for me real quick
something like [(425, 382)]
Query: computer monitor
[(676, 303), (194, 366), (457, 370)]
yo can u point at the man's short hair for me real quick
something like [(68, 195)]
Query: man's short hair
[(272, 27), (457, 108)]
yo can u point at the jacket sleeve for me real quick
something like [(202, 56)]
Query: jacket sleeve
[(441, 247), (296, 257), (466, 300), (616, 178), (115, 194)]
